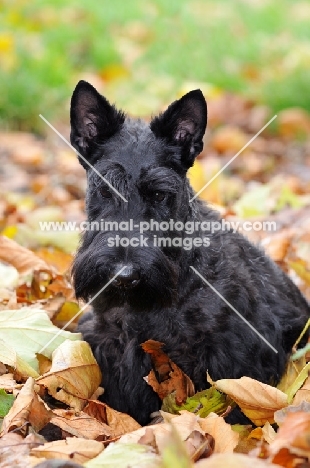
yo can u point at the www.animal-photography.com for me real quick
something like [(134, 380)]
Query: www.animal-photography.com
[(155, 234)]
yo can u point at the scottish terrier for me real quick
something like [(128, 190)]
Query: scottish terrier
[(146, 258)]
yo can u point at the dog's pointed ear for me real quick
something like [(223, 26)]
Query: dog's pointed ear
[(93, 120), (184, 124)]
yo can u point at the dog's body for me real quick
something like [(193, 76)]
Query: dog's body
[(158, 295)]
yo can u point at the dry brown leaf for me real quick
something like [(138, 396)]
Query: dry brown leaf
[(228, 138), (170, 377), (277, 245), (257, 400), (184, 424), (288, 459), (119, 423), (8, 383), (57, 259), (28, 408), (199, 445), (225, 438), (293, 122), (233, 460), (14, 449), (293, 434), (21, 258), (81, 425), (73, 449), (74, 375), (303, 394), (148, 439)]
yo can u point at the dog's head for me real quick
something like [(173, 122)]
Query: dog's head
[(136, 173)]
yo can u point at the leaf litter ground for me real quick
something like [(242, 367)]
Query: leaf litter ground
[(49, 406)]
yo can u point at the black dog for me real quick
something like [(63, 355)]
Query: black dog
[(157, 295)]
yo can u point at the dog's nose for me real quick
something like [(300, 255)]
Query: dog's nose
[(128, 277)]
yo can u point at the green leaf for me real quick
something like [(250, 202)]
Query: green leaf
[(298, 382), (29, 331), (174, 454), (301, 352), (202, 403), (256, 202), (125, 455), (6, 402), (9, 356), (288, 198)]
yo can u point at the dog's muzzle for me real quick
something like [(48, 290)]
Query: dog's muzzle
[(128, 278)]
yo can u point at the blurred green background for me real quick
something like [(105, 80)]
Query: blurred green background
[(142, 54)]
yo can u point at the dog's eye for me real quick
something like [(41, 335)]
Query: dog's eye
[(105, 192), (159, 196)]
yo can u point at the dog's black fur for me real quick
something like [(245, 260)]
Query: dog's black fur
[(158, 296)]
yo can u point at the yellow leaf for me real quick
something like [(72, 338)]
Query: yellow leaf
[(74, 375), (74, 449), (258, 401), (225, 438)]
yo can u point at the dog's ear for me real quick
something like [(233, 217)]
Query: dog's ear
[(93, 120), (184, 124)]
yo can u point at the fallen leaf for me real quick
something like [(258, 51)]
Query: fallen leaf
[(74, 375), (81, 425), (167, 377), (298, 382), (7, 382), (197, 446), (14, 449), (73, 449), (123, 456), (21, 258), (225, 438), (293, 434), (302, 269), (54, 304), (228, 139), (68, 313), (288, 459), (233, 460), (269, 434), (246, 443), (280, 415), (202, 403), (56, 258), (258, 401), (27, 408), (293, 122), (293, 369), (174, 452), (31, 332), (119, 423), (303, 393), (9, 356), (184, 424)]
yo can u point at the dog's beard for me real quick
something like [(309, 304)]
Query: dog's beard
[(94, 267)]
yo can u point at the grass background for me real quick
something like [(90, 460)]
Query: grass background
[(141, 54)]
